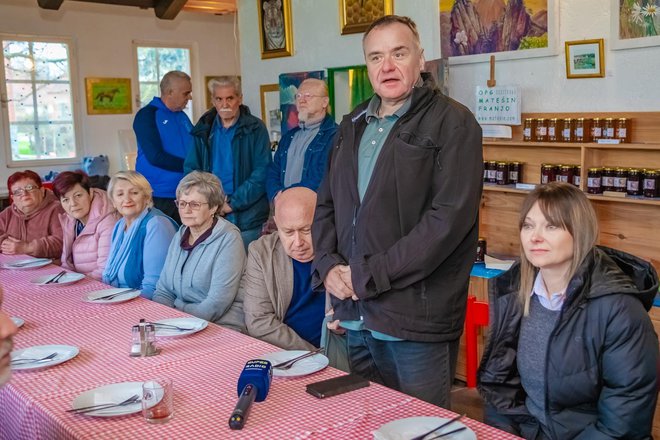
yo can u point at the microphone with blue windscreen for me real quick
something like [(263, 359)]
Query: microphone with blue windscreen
[(253, 384)]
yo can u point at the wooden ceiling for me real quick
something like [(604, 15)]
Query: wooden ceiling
[(165, 9)]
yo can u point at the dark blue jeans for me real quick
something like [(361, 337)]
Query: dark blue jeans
[(420, 369)]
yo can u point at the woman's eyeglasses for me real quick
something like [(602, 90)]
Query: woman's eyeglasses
[(181, 204), (18, 192)]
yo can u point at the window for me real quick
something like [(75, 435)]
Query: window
[(153, 62), (37, 100)]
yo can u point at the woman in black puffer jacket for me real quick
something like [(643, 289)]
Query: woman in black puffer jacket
[(572, 353)]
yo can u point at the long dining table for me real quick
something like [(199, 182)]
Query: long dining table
[(204, 368)]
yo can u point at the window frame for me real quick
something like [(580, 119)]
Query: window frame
[(192, 47), (5, 126)]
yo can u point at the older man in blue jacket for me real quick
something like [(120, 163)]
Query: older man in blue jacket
[(303, 152)]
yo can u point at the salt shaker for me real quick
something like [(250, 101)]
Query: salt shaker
[(136, 344)]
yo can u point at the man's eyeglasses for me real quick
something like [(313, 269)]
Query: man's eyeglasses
[(18, 192), (306, 96), (181, 204)]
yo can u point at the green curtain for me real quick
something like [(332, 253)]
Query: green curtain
[(359, 85)]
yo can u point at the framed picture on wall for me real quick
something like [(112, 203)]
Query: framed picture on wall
[(585, 59), (275, 34), (108, 96), (357, 15), (270, 110), (635, 23)]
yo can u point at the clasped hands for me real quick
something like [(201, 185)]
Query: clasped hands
[(339, 284), (11, 246)]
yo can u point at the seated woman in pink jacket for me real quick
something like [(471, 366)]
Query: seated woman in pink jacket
[(87, 224), (30, 224)]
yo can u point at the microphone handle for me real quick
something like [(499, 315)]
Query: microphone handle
[(242, 410)]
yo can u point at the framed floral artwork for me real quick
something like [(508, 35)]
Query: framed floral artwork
[(356, 15), (635, 23), (275, 28), (585, 59)]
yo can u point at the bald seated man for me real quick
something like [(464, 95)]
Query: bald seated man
[(302, 154), (280, 306), (7, 331)]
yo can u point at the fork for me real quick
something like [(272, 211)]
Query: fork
[(113, 295), (85, 409), (170, 326), (56, 278), (27, 263), (447, 423), (286, 365), (22, 361)]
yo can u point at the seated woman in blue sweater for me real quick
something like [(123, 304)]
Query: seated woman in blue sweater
[(206, 257), (572, 353), (140, 238)]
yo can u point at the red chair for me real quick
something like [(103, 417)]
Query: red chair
[(476, 316)]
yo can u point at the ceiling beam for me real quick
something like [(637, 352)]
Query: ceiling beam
[(168, 9), (50, 4)]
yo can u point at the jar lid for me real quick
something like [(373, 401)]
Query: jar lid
[(594, 169), (633, 171), (623, 119)]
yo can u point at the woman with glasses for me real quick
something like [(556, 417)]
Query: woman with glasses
[(572, 352), (206, 257), (87, 225), (30, 225), (140, 238)]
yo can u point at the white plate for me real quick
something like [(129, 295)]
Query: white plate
[(303, 367), (128, 295), (18, 322), (115, 393), (29, 263), (67, 278), (405, 429), (64, 353), (195, 324)]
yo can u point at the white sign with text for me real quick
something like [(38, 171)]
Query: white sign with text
[(498, 105)]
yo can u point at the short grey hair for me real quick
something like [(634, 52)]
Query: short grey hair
[(134, 178), (207, 184), (226, 81), (169, 77)]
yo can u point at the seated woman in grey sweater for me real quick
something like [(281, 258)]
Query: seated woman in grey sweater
[(205, 260)]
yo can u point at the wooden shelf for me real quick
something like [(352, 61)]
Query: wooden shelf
[(625, 222)]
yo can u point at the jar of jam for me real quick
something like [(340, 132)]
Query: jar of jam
[(608, 129), (553, 130), (621, 131), (565, 174), (481, 250), (541, 130), (515, 172), (528, 129), (593, 181), (485, 171), (579, 130), (620, 180), (650, 184), (492, 171), (567, 130), (607, 179), (577, 171), (634, 185), (548, 173), (502, 173), (596, 129)]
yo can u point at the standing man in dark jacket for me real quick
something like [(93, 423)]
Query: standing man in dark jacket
[(162, 130), (302, 155), (234, 145), (395, 229)]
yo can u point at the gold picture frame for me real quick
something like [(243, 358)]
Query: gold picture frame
[(108, 96), (356, 15), (585, 59), (271, 114), (275, 35)]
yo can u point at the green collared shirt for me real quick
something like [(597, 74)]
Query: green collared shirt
[(373, 139)]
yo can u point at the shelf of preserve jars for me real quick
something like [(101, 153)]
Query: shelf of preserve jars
[(618, 184)]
